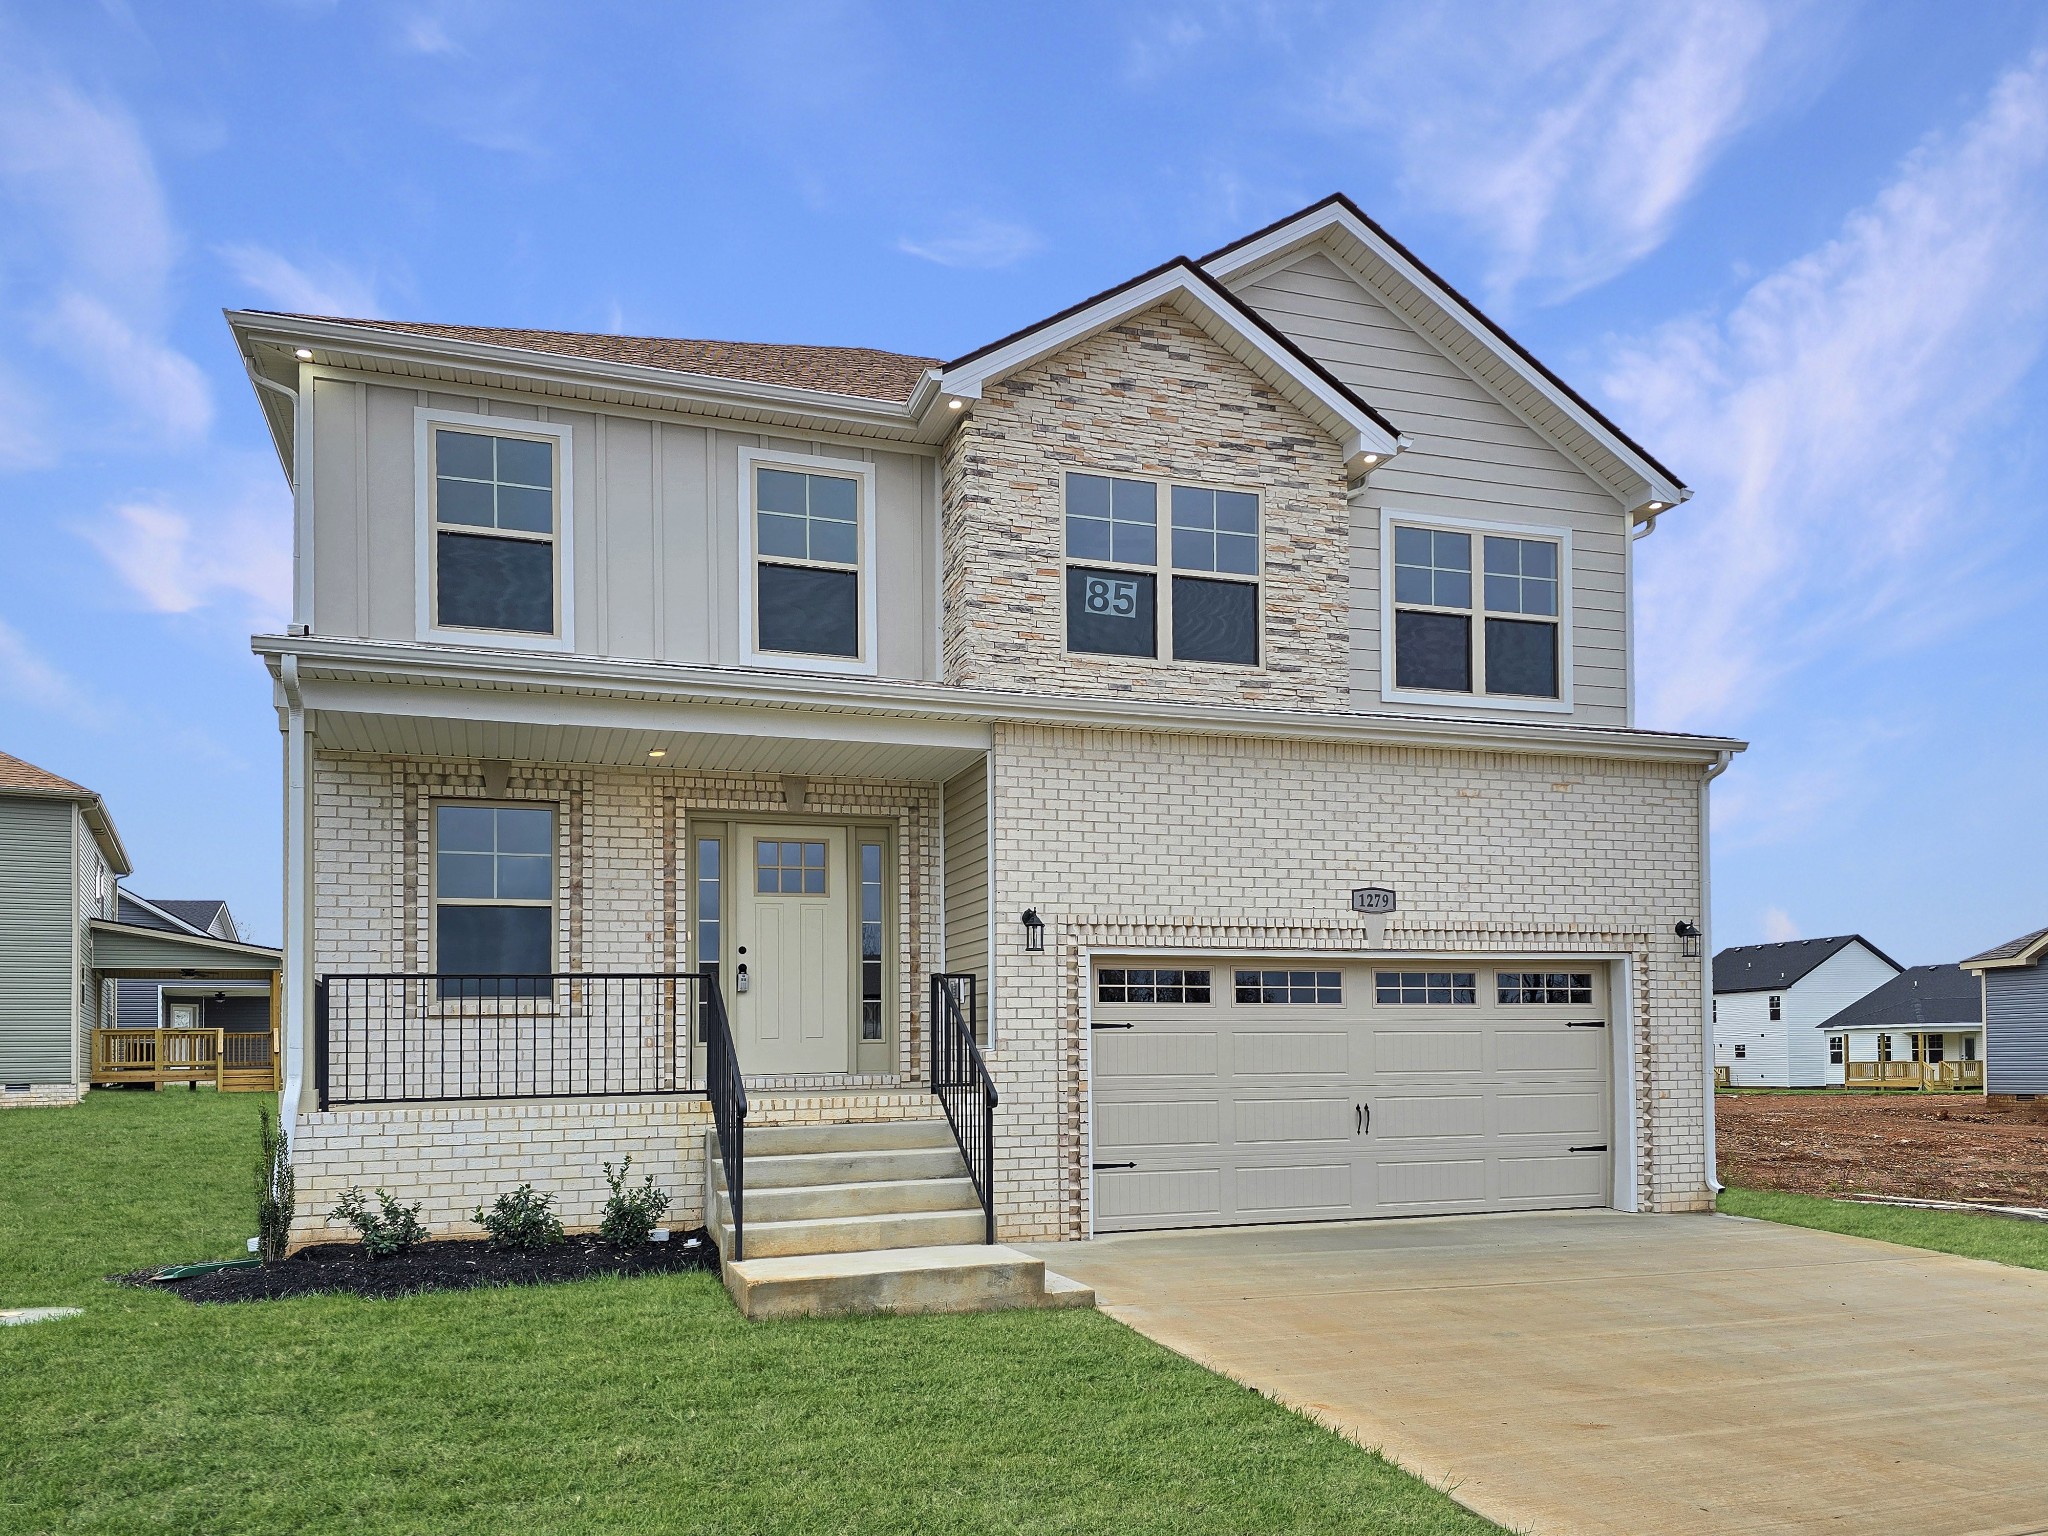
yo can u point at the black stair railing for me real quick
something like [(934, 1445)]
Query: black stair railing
[(728, 1095), (960, 1080)]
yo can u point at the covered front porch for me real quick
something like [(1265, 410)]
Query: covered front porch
[(181, 1047)]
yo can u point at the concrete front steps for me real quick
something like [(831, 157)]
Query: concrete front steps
[(878, 1216)]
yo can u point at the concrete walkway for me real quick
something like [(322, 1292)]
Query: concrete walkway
[(1590, 1372)]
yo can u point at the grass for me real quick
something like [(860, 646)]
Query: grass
[(2002, 1239), (608, 1405)]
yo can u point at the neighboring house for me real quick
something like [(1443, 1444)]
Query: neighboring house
[(1102, 665), (239, 1008), (2015, 982), (1768, 998), (1922, 1029), (68, 938)]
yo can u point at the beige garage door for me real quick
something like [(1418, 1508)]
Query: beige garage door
[(1229, 1092)]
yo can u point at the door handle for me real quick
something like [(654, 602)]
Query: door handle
[(739, 980), (1363, 1114)]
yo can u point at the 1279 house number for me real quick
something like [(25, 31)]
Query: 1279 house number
[(1372, 898)]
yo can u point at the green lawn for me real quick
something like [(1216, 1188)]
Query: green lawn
[(611, 1405), (2005, 1239)]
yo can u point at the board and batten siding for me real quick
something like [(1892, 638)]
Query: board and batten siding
[(1472, 457), (38, 975), (966, 879), (2016, 1030), (655, 526)]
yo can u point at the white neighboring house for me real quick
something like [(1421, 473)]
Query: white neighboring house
[(1923, 1020), (1770, 998)]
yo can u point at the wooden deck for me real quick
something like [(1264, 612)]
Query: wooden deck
[(233, 1063), (1930, 1076)]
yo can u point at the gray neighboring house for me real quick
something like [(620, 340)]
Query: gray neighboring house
[(70, 938), (175, 1002), (2015, 982)]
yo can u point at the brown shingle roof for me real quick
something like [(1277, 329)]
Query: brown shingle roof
[(16, 774), (2011, 948), (860, 371)]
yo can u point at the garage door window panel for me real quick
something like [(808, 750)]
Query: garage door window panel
[(1289, 986), (1151, 985), (1428, 988), (1512, 987)]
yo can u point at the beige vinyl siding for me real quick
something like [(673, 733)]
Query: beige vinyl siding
[(1472, 457), (966, 877), (654, 527), (37, 917)]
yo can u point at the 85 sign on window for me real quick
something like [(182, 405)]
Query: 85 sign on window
[(1111, 596)]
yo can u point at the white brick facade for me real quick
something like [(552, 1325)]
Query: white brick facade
[(41, 1095)]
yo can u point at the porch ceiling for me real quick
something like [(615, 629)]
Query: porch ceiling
[(124, 951), (621, 733)]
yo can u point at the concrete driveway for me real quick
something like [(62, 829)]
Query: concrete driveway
[(1590, 1372)]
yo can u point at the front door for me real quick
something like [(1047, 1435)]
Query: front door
[(184, 1015), (791, 926)]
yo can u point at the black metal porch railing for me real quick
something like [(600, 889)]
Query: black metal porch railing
[(728, 1094), (394, 1038), (961, 1082)]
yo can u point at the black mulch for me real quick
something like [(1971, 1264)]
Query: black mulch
[(452, 1265)]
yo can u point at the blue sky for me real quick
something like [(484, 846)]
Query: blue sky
[(1796, 248)]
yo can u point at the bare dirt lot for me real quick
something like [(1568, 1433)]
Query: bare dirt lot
[(1922, 1146)]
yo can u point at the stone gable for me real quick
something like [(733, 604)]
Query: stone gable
[(1153, 396)]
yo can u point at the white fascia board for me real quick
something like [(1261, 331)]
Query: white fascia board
[(356, 662), (1310, 227), (493, 362), (1355, 431)]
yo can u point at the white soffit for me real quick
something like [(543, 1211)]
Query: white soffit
[(1353, 424), (1449, 321)]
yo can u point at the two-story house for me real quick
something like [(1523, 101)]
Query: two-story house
[(1771, 999), (1230, 674)]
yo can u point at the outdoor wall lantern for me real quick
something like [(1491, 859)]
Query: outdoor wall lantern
[(1034, 931), (1689, 940)]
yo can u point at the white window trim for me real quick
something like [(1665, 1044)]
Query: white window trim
[(867, 663), (425, 418), (1162, 570), (1562, 537)]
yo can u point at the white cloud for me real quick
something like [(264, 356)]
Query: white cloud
[(1778, 926), (975, 243), (29, 679), (157, 382), (178, 563), (321, 288), (1826, 414), (1567, 137)]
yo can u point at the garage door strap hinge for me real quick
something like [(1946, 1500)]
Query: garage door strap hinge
[(1093, 1025), (1587, 1024), (1601, 1148), (1100, 1166)]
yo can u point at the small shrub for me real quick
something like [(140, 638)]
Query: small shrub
[(520, 1221), (631, 1215), (276, 1188), (386, 1232)]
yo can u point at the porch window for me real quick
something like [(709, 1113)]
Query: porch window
[(1884, 1047), (1838, 1050), (871, 941), (494, 524), (1969, 1047), (494, 891), (809, 539), (1428, 987)]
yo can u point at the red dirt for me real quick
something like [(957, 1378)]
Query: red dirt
[(1921, 1146)]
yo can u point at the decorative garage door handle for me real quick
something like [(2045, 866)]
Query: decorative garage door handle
[(1364, 1117), (1100, 1166), (1093, 1025), (1601, 1148), (1587, 1024)]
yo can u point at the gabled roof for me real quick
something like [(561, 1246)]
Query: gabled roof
[(200, 917), (24, 778), (205, 915), (1921, 995), (2027, 949), (1459, 326), (1775, 967), (859, 371), (1248, 335)]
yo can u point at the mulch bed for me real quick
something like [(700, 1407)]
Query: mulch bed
[(1917, 1146), (450, 1265)]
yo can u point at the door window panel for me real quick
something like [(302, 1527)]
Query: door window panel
[(789, 868)]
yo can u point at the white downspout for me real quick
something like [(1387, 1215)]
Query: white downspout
[(1707, 958), (297, 949)]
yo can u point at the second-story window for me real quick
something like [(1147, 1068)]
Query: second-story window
[(1476, 613), (494, 532), (807, 526), (1118, 597)]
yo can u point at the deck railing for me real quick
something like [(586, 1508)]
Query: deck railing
[(397, 1038), (961, 1082), (158, 1055), (1955, 1075)]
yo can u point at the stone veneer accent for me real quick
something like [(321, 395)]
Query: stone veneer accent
[(1152, 396), (41, 1096), (1137, 841)]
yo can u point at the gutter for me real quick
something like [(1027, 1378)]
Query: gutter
[(1720, 767), (296, 955)]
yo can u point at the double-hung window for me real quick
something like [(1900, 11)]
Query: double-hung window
[(1125, 585), (493, 550), (1475, 612), (810, 540), (494, 898)]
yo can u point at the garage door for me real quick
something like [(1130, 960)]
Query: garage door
[(1229, 1092)]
